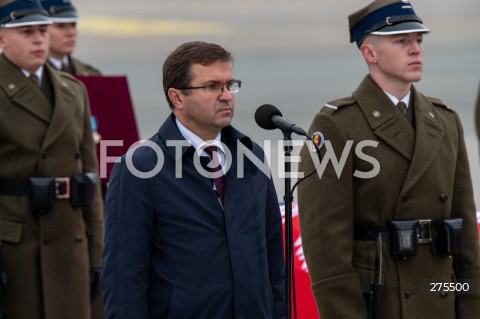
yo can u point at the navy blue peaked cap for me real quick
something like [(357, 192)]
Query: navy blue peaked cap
[(384, 17), (19, 13), (61, 10)]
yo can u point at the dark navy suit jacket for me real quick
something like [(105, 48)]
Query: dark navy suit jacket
[(173, 251)]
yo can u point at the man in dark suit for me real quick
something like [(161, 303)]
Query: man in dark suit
[(63, 38), (51, 225), (405, 179), (184, 240)]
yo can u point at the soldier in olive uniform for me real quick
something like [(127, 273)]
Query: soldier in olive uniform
[(406, 178), (63, 38), (51, 220)]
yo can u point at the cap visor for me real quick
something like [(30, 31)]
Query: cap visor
[(405, 27), (34, 19)]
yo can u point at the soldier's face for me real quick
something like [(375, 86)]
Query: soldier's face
[(63, 38), (206, 112), (400, 57), (27, 46)]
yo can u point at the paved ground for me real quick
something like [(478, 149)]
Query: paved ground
[(293, 54)]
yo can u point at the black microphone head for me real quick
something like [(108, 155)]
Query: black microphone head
[(264, 114)]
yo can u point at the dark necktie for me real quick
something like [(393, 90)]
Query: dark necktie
[(407, 111), (215, 167), (34, 78), (402, 107), (65, 68)]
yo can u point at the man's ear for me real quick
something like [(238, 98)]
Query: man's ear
[(2, 38), (369, 52), (176, 98)]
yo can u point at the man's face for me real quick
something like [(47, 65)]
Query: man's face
[(400, 57), (63, 38), (27, 47), (206, 112)]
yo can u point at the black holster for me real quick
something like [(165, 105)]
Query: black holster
[(84, 189), (447, 236), (402, 238), (41, 192)]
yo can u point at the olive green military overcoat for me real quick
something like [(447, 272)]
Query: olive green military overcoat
[(78, 67), (422, 174), (46, 256), (81, 68)]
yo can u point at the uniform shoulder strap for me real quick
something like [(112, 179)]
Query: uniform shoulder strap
[(437, 102), (338, 104)]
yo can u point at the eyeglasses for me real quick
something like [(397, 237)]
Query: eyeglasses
[(217, 87)]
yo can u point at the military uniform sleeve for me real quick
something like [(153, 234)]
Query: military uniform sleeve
[(326, 220), (93, 215)]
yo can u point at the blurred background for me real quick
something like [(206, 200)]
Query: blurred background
[(294, 54)]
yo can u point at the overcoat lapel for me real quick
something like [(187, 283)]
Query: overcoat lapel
[(429, 134), (386, 122), (64, 106), (23, 92)]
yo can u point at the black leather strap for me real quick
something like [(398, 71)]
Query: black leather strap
[(369, 232), (13, 188)]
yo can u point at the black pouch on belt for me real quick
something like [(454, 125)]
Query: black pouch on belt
[(84, 187), (447, 236), (41, 192), (402, 238)]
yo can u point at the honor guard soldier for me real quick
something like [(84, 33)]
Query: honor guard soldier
[(51, 220), (63, 38), (410, 189)]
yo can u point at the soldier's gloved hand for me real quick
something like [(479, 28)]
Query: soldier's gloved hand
[(94, 283)]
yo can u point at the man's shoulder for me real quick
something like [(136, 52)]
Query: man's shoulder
[(84, 68), (438, 103), (338, 104), (64, 78)]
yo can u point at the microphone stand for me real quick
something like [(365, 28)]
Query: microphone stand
[(288, 198)]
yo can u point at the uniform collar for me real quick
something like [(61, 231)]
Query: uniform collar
[(58, 63), (405, 99)]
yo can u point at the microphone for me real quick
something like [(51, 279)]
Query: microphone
[(269, 117)]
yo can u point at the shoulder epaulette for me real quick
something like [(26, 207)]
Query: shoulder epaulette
[(437, 102), (92, 69), (338, 104)]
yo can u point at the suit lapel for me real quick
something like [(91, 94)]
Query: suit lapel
[(429, 133), (65, 104), (23, 92), (387, 123)]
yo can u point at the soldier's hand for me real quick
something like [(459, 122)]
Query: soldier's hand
[(94, 283)]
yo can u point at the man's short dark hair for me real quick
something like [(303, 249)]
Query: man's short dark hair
[(177, 66)]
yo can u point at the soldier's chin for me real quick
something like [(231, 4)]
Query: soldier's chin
[(416, 78)]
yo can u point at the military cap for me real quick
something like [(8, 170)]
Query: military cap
[(383, 17), (61, 10), (19, 13)]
